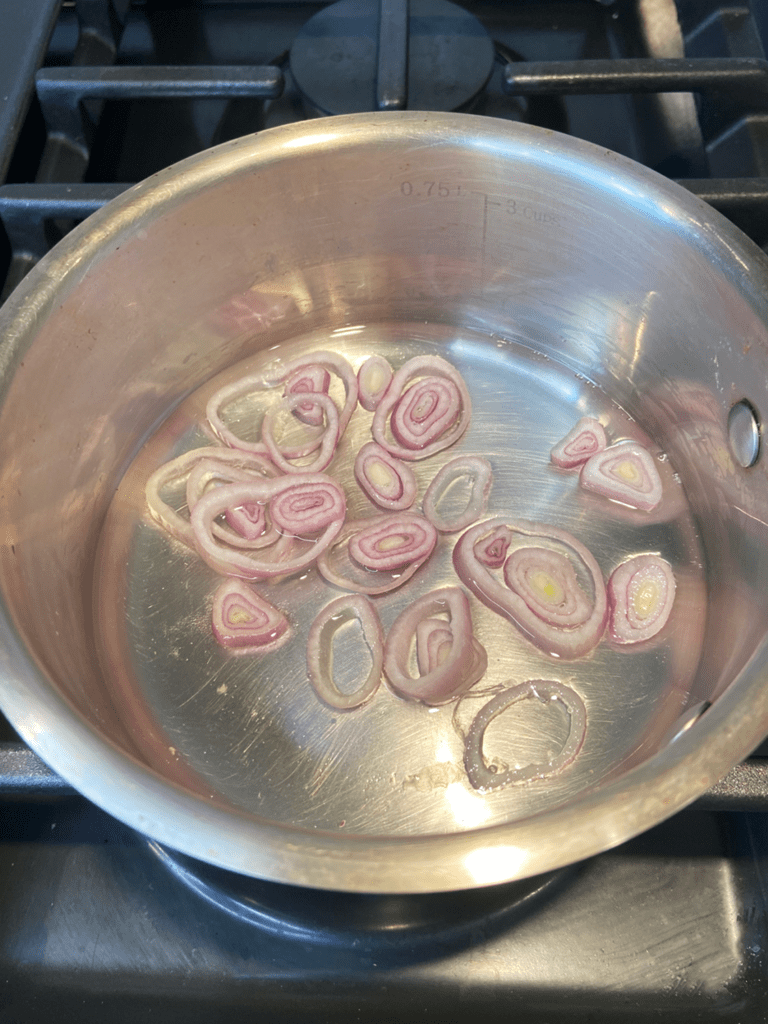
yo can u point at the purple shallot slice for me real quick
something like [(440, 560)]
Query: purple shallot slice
[(464, 663), (480, 475), (393, 542), (641, 592), (482, 776), (309, 379), (387, 481), (320, 650), (491, 550), (329, 437), (245, 622), (546, 581), (624, 472), (586, 439), (570, 640), (341, 570), (281, 558), (248, 520), (228, 467), (255, 383), (373, 379), (307, 507), (427, 417), (228, 463)]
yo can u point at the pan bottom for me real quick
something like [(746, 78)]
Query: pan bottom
[(249, 732)]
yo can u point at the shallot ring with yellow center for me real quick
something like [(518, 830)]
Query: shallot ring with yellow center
[(245, 622), (558, 641), (641, 592), (388, 482)]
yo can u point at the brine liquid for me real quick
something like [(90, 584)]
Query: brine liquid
[(249, 731)]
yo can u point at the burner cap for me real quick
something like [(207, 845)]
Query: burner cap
[(335, 55)]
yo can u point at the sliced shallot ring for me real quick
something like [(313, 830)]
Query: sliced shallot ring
[(492, 550), (641, 592), (230, 467), (248, 521), (373, 379), (393, 542), (625, 472), (387, 481), (433, 637), (245, 622), (480, 474), (355, 578), (329, 438), (457, 672), (421, 366), (586, 439), (234, 562), (559, 642), (309, 380), (258, 382), (307, 507), (481, 776), (433, 643), (546, 581), (320, 650), (182, 466), (425, 412)]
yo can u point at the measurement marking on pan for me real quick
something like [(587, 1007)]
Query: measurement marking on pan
[(506, 205)]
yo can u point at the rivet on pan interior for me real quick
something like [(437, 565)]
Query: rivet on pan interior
[(744, 434)]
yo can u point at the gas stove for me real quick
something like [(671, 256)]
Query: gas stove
[(98, 922)]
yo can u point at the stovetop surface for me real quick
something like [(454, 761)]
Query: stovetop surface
[(96, 923)]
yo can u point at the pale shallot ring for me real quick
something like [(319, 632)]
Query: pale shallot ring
[(258, 382), (307, 507), (373, 379), (560, 643), (267, 631), (421, 366), (233, 562), (480, 473), (573, 608), (174, 471), (480, 775), (365, 467), (628, 626), (329, 437), (601, 475), (310, 380), (459, 670), (586, 439), (375, 547), (229, 467), (331, 618), (366, 582)]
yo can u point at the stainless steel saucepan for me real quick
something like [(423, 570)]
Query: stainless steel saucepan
[(561, 280)]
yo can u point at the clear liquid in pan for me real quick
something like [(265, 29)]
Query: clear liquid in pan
[(250, 732)]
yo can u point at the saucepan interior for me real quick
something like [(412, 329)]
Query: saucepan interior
[(561, 281)]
